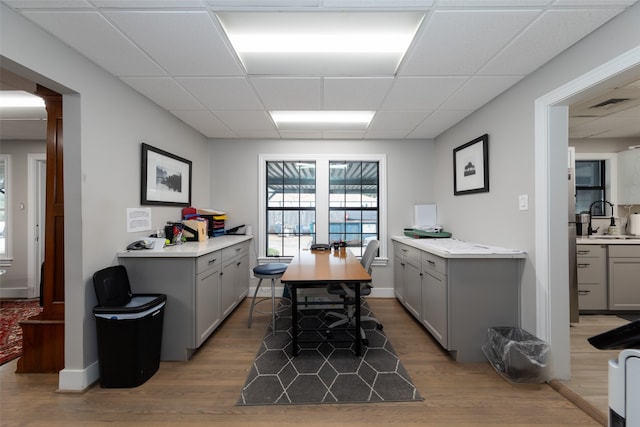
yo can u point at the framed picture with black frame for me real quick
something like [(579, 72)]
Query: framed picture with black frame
[(166, 178), (471, 167)]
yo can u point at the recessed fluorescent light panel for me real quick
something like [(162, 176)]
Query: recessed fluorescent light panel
[(327, 43), (317, 120), (19, 99)]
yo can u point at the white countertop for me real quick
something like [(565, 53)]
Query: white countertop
[(454, 248), (188, 249), (596, 239)]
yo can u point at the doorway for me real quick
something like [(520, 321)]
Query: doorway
[(37, 181)]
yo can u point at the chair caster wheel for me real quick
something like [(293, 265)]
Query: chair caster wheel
[(379, 326)]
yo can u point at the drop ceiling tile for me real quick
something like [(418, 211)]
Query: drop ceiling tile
[(186, 43), (222, 93), (203, 121), (397, 120), (595, 3), (47, 4), (343, 134), (263, 3), (284, 93), (421, 93), (147, 4), (549, 35), (438, 122), (355, 93), (300, 134), (257, 134), (91, 35), (165, 92), (460, 42), (495, 3), (478, 91), (246, 120)]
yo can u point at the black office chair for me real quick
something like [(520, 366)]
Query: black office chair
[(347, 292)]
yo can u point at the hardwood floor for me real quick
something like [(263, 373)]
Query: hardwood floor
[(205, 389)]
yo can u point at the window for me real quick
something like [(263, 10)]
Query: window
[(5, 176), (321, 198), (590, 186)]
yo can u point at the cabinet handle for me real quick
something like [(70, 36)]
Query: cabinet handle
[(584, 252), (583, 265), (238, 263), (431, 262), (211, 261), (402, 264), (583, 292)]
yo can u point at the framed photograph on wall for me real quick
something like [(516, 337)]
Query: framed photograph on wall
[(471, 167), (166, 178)]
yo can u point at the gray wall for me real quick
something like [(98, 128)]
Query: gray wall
[(104, 123), (14, 282)]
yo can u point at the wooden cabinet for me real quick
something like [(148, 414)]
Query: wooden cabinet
[(203, 283), (624, 271), (459, 296), (592, 277)]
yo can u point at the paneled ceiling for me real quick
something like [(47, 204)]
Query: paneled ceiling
[(466, 52)]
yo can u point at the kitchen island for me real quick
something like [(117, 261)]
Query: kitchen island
[(457, 290), (203, 281)]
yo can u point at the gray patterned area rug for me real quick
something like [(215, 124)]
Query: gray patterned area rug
[(326, 372)]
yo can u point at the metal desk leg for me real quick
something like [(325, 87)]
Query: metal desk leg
[(294, 319), (357, 332)]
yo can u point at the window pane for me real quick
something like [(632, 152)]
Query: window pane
[(590, 186), (589, 173)]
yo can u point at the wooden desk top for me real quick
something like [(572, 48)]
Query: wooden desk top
[(325, 267)]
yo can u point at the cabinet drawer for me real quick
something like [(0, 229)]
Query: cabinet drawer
[(590, 251), (624, 251), (592, 297), (409, 253), (234, 250), (434, 263), (208, 261), (590, 270)]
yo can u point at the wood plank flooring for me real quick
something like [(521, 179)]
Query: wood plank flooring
[(204, 390)]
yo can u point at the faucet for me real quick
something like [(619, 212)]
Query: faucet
[(590, 230)]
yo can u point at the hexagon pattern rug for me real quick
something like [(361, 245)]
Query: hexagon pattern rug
[(326, 372)]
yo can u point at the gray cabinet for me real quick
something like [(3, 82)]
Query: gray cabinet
[(624, 274), (409, 277), (629, 177), (202, 285), (459, 297), (435, 297), (592, 277)]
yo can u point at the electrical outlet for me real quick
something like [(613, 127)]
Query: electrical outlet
[(523, 202)]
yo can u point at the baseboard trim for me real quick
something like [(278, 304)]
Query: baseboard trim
[(580, 402), (78, 380)]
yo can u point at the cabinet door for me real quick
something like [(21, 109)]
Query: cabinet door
[(624, 292), (242, 276), (398, 277), (413, 287), (434, 305), (228, 287), (207, 303)]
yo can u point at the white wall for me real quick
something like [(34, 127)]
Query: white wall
[(14, 283), (104, 124), (410, 180)]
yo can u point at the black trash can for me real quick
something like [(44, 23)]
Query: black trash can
[(517, 355), (129, 330)]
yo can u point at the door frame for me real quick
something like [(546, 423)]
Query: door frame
[(36, 190)]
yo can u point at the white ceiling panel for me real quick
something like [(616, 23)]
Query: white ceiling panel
[(461, 42), (421, 93), (551, 34), (249, 120), (91, 35), (164, 91), (281, 93), (355, 93), (184, 43), (466, 53), (222, 93), (478, 91)]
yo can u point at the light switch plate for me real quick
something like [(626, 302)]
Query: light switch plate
[(523, 202)]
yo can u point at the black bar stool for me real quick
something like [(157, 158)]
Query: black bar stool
[(272, 271)]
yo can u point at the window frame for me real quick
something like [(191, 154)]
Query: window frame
[(322, 196), (5, 258)]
